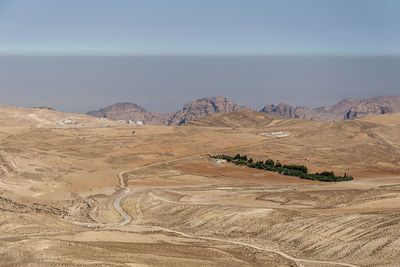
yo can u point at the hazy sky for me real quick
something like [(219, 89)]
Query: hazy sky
[(78, 55), (200, 27), (164, 84)]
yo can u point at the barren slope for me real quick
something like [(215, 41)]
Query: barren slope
[(59, 189), (43, 117), (240, 119)]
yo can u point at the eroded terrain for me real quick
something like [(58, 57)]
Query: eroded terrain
[(151, 196)]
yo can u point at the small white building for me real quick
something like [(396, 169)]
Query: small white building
[(68, 122), (218, 161), (137, 123), (275, 134)]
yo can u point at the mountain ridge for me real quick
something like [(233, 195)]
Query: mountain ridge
[(192, 110), (346, 109)]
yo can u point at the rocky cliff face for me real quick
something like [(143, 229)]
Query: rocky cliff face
[(283, 110), (350, 108), (367, 109), (203, 107), (191, 111)]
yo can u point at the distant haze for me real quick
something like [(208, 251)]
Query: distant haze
[(206, 27), (79, 55), (165, 83)]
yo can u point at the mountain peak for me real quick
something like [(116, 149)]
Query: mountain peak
[(128, 111), (204, 107), (348, 108), (192, 110)]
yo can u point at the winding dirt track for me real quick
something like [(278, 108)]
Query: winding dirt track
[(283, 254), (128, 219), (117, 206), (298, 261)]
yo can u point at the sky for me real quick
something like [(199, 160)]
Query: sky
[(206, 27), (79, 55)]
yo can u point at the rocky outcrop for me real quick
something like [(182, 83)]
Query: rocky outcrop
[(130, 111), (290, 112), (349, 108), (367, 109), (191, 111), (203, 107), (283, 110)]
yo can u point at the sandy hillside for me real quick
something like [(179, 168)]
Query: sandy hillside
[(244, 119), (43, 117), (151, 196), (362, 147)]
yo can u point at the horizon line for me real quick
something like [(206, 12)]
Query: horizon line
[(118, 55), (253, 108)]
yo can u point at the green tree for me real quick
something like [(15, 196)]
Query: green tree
[(269, 162)]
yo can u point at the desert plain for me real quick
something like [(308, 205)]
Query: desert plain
[(101, 193)]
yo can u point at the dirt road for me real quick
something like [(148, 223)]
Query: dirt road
[(127, 219)]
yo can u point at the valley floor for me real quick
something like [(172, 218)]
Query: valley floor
[(108, 197)]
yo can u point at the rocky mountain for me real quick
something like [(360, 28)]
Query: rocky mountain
[(204, 107), (191, 111), (130, 111), (349, 108), (283, 110)]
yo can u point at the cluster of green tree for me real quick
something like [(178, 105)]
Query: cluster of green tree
[(290, 170)]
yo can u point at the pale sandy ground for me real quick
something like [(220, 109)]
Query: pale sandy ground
[(188, 211)]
